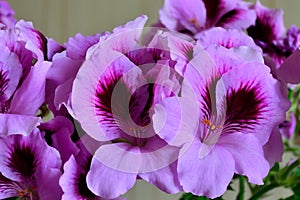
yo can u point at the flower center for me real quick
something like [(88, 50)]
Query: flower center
[(135, 138), (195, 23), (27, 193), (209, 137), (211, 131), (210, 125)]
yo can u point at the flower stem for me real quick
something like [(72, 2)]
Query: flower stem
[(240, 195), (287, 170), (263, 190)]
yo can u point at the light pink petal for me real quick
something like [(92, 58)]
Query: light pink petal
[(179, 15), (274, 148), (248, 155), (107, 181), (208, 176), (166, 179), (17, 124)]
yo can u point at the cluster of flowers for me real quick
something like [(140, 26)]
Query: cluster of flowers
[(184, 104)]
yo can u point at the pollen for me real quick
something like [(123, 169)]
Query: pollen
[(25, 193), (210, 125), (195, 23)]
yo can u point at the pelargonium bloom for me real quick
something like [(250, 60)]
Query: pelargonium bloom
[(290, 42), (287, 128), (73, 181), (29, 168), (113, 93), (226, 38), (239, 42), (239, 104), (269, 33), (21, 96), (64, 69), (22, 72), (198, 15)]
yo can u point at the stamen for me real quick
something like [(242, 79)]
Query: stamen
[(211, 126), (195, 23), (25, 193)]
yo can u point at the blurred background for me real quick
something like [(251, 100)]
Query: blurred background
[(61, 19)]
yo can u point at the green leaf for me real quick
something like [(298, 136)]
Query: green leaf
[(13, 198), (296, 190), (293, 197), (189, 196)]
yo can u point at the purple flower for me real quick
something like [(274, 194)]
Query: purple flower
[(64, 69), (268, 31), (73, 181), (22, 89), (235, 98), (29, 168), (287, 128), (27, 42), (269, 25), (197, 15), (291, 42), (112, 98), (226, 38), (7, 14), (21, 83)]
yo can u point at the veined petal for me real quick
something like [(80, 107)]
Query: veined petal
[(10, 73), (22, 155), (216, 9), (73, 181), (251, 106), (7, 187), (91, 97), (227, 38), (269, 24), (181, 15), (240, 18)]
